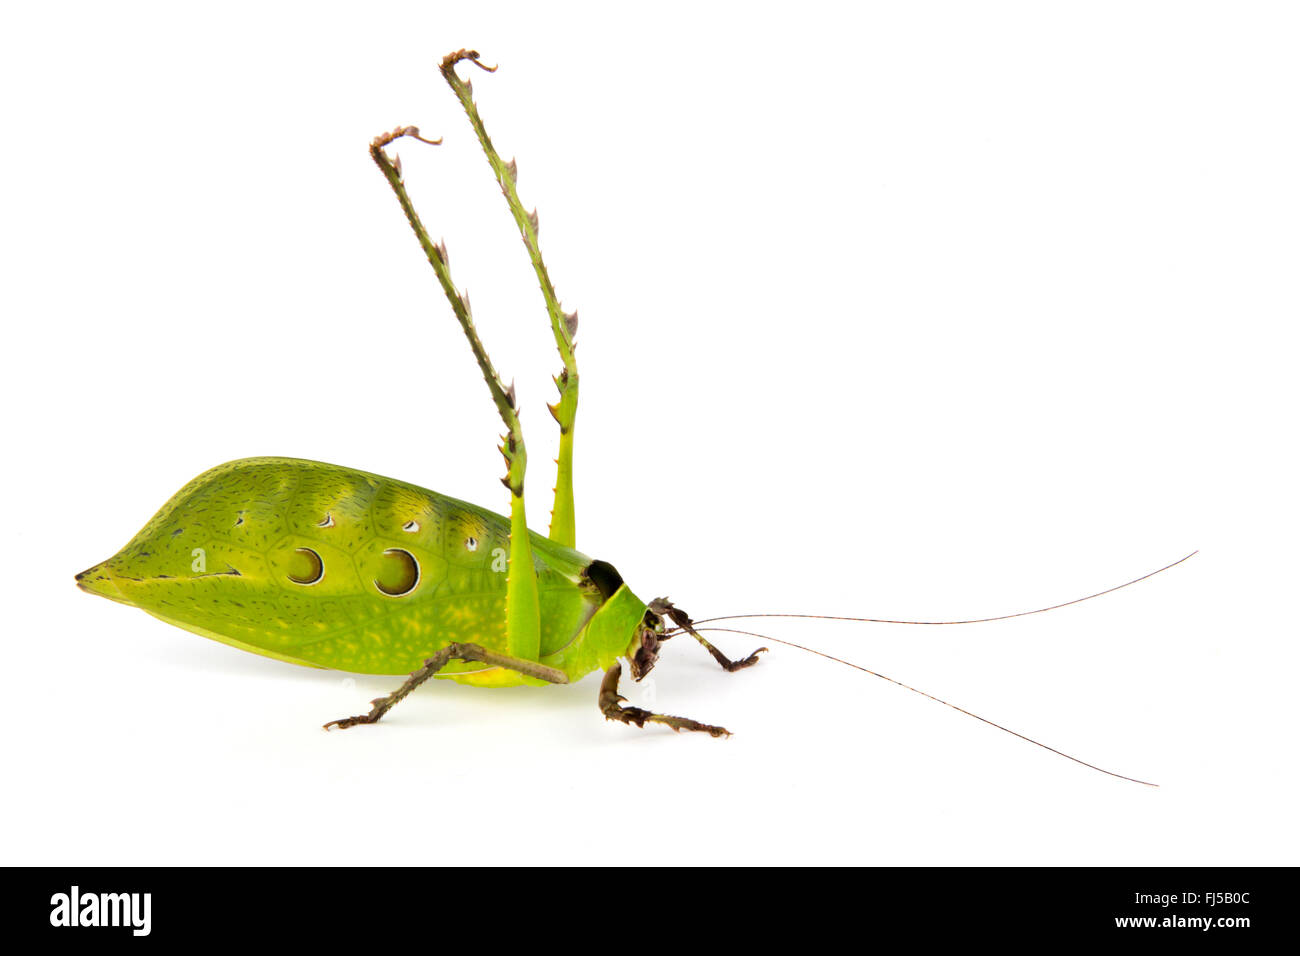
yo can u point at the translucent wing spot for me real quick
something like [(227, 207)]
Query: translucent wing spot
[(471, 544), (411, 527), (305, 567), (326, 522), (399, 572)]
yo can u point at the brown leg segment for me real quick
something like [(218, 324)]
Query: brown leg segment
[(666, 608), (464, 652), (727, 664), (611, 707)]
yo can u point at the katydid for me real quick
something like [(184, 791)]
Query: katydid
[(331, 567)]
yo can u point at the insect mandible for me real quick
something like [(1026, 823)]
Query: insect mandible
[(327, 566)]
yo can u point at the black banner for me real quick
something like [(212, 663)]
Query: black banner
[(1229, 906)]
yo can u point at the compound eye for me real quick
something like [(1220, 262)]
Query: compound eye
[(399, 572), (305, 567)]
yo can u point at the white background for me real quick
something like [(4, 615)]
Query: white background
[(919, 311)]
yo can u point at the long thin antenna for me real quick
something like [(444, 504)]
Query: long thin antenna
[(978, 620), (1059, 753)]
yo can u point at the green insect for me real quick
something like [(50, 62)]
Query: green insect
[(330, 567)]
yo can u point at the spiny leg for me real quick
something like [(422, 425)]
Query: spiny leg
[(611, 707), (727, 663), (464, 652), (523, 613), (665, 608), (564, 326)]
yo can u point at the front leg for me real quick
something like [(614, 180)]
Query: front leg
[(464, 652), (665, 608), (612, 708), (723, 660)]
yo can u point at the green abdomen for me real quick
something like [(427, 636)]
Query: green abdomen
[(324, 565)]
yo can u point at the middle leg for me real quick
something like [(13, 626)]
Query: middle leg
[(612, 708), (464, 652)]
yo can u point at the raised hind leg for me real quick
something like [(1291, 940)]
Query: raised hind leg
[(523, 614), (563, 326)]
